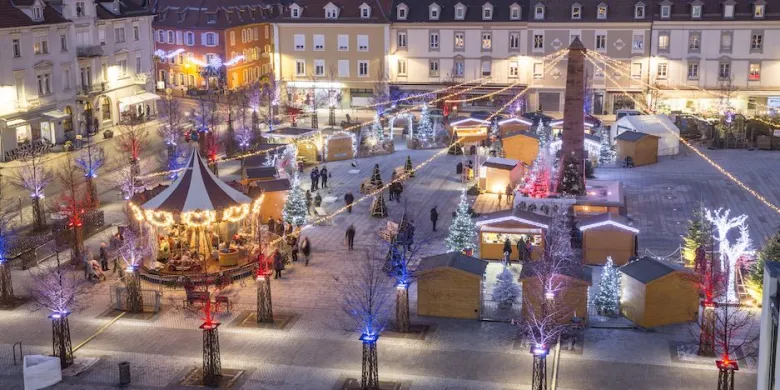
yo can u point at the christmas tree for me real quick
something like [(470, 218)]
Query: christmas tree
[(699, 233), (379, 210), (376, 179), (376, 128), (606, 155), (494, 129), (506, 290), (424, 131), (463, 231), (770, 252), (571, 182), (607, 300), (294, 210), (408, 166)]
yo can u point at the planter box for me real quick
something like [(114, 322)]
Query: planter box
[(41, 371), (108, 134)]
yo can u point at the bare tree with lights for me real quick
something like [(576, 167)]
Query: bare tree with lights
[(73, 202), (90, 160), (33, 176), (133, 141), (730, 251), (6, 282), (365, 300), (172, 127), (133, 250)]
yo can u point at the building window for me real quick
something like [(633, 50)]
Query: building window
[(514, 13), (693, 71), (138, 69), (119, 35), (343, 41), (161, 36), (17, 48), (514, 70), (300, 42), (331, 13), (725, 42), (662, 71), (459, 13), (758, 11), (362, 68), (460, 40), (487, 13), (757, 42), (487, 68), (576, 11), (319, 67), (63, 42), (319, 42), (401, 13), (343, 68), (300, 68), (460, 67), (639, 42), (636, 70), (724, 70), (663, 41), (401, 39), (433, 68), (538, 71), (136, 33), (487, 41), (538, 42), (696, 11), (601, 42), (105, 105), (694, 42), (80, 10), (434, 40), (601, 12), (37, 13), (41, 46), (365, 12), (666, 11), (295, 12), (211, 39), (189, 38), (122, 64), (754, 71), (211, 18), (539, 12), (171, 37), (362, 42), (44, 84), (639, 11), (514, 41), (433, 13), (402, 67)]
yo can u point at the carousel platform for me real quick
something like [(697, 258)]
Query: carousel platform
[(208, 272)]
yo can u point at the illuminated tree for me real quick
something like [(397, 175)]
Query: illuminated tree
[(90, 160), (170, 130), (295, 211), (770, 252), (729, 251), (133, 141), (376, 128), (424, 130), (698, 235), (606, 154), (607, 300), (463, 230), (399, 261), (33, 176), (133, 251), (506, 290), (6, 283), (72, 202)]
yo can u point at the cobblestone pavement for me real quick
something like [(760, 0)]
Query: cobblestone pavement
[(315, 352)]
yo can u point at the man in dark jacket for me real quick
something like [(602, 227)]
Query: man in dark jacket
[(324, 176), (509, 194), (315, 177), (271, 225), (399, 188), (351, 237), (278, 264), (348, 199), (434, 217)]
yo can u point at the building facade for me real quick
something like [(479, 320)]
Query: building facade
[(330, 54), (73, 67), (212, 44)]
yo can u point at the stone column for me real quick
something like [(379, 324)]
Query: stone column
[(574, 106)]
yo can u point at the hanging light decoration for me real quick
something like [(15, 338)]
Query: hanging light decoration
[(160, 219), (198, 218), (235, 213)]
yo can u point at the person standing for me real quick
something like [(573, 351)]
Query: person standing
[(317, 200), (409, 235), (103, 257), (391, 190), (434, 217), (324, 176), (271, 225), (308, 202), (500, 194), (278, 264), (399, 188), (293, 241), (306, 250), (351, 237), (279, 227), (313, 176), (509, 194), (348, 199), (508, 250)]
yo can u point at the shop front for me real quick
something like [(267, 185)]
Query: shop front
[(135, 107), (516, 226), (471, 131)]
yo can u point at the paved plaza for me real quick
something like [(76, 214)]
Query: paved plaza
[(313, 350)]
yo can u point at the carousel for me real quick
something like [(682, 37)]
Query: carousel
[(199, 225)]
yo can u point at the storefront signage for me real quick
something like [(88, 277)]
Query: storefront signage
[(773, 102)]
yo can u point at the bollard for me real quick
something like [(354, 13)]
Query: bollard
[(124, 373)]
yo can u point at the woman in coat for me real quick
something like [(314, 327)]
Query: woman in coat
[(305, 248), (278, 264)]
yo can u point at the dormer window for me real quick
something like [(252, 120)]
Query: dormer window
[(365, 11), (514, 12), (487, 12), (576, 11), (639, 11), (401, 11), (539, 12), (37, 13), (601, 11), (728, 10), (295, 11), (696, 11), (211, 18), (433, 12), (666, 11), (460, 11), (331, 11), (758, 9)]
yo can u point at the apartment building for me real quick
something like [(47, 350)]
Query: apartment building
[(209, 43), (334, 50), (71, 65)]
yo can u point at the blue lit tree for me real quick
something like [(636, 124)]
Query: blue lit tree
[(90, 160), (171, 129), (34, 177)]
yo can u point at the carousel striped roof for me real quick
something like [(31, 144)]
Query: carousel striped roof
[(196, 189)]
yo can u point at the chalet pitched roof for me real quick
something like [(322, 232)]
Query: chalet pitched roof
[(291, 132), (500, 163), (572, 270), (12, 16), (612, 219), (524, 133), (275, 185), (518, 215), (633, 136), (648, 269), (260, 172), (455, 260)]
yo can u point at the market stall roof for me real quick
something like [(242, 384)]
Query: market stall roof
[(648, 269), (196, 189), (455, 260), (291, 132), (572, 270), (521, 216), (274, 185), (611, 219), (500, 163)]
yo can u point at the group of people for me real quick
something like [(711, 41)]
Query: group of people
[(279, 227), (318, 175), (277, 259), (524, 250), (395, 188), (96, 269), (317, 201), (510, 193)]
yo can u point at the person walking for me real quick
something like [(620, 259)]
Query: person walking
[(508, 250), (324, 176), (399, 188), (509, 194), (293, 242), (409, 235), (271, 225), (434, 217), (308, 202), (351, 237), (314, 175), (348, 199), (278, 264), (317, 200), (306, 250), (103, 257)]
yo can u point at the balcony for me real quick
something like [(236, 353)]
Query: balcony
[(89, 51), (86, 90)]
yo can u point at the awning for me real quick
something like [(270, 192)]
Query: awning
[(56, 114), (15, 122), (138, 99)]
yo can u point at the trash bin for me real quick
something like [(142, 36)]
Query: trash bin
[(124, 373)]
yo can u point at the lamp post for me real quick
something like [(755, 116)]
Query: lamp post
[(61, 337), (212, 364), (370, 368), (135, 301), (726, 368), (264, 312)]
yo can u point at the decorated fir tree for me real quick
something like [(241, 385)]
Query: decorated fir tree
[(294, 210), (699, 233), (379, 209), (424, 131), (606, 155), (463, 231), (494, 129), (607, 301), (376, 129), (506, 290), (571, 180), (376, 178), (408, 168), (770, 252)]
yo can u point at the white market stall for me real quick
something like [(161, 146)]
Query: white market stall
[(657, 125)]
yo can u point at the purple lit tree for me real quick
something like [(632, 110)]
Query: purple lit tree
[(133, 251), (33, 176), (72, 202), (6, 283), (172, 127), (90, 160)]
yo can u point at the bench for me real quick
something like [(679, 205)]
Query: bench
[(320, 212), (196, 296), (223, 301)]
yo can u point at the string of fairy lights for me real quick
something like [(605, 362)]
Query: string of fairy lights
[(714, 164)]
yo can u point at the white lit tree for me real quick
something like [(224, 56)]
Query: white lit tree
[(606, 154), (607, 300), (729, 251), (376, 128), (506, 290), (463, 230), (494, 129), (294, 210), (424, 131)]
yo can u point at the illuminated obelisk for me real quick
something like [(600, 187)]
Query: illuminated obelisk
[(573, 144)]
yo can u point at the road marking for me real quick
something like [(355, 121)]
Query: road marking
[(99, 331)]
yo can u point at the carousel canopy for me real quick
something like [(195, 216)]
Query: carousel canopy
[(196, 189)]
